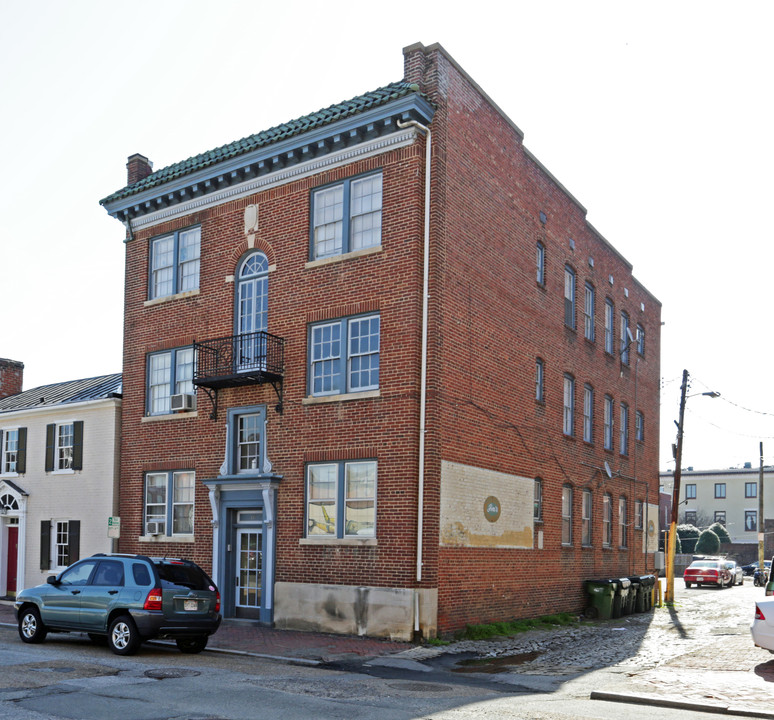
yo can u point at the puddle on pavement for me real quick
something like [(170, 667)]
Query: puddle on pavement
[(503, 663)]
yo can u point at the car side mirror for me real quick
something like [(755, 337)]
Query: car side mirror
[(51, 580)]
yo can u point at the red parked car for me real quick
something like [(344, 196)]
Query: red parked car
[(708, 572)]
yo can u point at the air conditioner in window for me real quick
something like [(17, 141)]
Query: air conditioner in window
[(153, 528), (185, 401)]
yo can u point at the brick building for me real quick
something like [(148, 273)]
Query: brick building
[(380, 374)]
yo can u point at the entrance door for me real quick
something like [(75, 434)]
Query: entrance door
[(252, 311), (13, 555), (249, 568)]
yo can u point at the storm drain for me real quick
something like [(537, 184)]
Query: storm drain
[(170, 673)]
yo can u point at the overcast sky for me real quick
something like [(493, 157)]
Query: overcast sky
[(656, 116)]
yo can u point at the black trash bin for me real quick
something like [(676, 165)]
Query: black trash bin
[(621, 599), (648, 582)]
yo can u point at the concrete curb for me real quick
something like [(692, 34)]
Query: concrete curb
[(655, 701)]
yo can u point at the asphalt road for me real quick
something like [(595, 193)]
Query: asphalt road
[(698, 653)]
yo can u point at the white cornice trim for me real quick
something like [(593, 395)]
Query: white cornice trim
[(377, 146)]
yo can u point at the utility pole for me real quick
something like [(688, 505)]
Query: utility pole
[(670, 589), (761, 525)]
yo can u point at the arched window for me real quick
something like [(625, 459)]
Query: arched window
[(252, 310)]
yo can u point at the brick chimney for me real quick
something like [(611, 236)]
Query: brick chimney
[(137, 168), (11, 376)]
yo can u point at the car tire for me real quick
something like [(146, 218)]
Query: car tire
[(31, 627), (687, 584), (123, 637), (192, 645)]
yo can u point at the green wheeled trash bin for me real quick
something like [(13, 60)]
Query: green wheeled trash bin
[(601, 595), (621, 601)]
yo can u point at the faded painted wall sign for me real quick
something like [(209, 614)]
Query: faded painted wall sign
[(492, 508)]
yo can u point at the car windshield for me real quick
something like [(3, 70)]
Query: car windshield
[(183, 576)]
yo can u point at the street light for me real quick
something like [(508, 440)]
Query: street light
[(678, 451)]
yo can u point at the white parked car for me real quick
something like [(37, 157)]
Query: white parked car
[(762, 628)]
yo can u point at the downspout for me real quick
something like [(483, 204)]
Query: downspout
[(423, 382)]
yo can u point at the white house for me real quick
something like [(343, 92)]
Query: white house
[(59, 469)]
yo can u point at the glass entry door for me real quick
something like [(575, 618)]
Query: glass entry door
[(249, 570)]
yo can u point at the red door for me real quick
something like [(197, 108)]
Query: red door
[(13, 541)]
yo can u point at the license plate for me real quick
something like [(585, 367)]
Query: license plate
[(190, 605)]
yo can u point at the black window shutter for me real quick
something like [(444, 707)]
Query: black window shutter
[(50, 440), (21, 456), (74, 540), (2, 452), (45, 544), (78, 445)]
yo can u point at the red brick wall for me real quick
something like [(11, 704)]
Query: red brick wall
[(11, 377), (493, 320)]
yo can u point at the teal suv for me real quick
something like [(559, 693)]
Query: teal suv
[(124, 600)]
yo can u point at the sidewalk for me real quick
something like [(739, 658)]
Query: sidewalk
[(245, 637)]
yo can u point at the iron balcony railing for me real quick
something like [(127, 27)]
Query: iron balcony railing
[(247, 359)]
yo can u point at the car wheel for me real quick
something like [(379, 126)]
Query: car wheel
[(687, 584), (123, 637), (192, 645), (31, 627)]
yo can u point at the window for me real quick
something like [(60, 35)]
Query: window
[(609, 325), (347, 217), (344, 356), (538, 501), (751, 520), (246, 447), (588, 413), (639, 426), (13, 451), (588, 313), (569, 297), (625, 338), (608, 423), (252, 311), (169, 502), (624, 430), (690, 517), (751, 489), (622, 525), (690, 491), (341, 499), (541, 263), (64, 446), (539, 381), (569, 405), (169, 373), (720, 490), (720, 516), (607, 520), (640, 340), (586, 518), (566, 515), (174, 263), (638, 515), (60, 542)]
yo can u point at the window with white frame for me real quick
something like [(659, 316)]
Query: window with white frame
[(62, 551), (541, 263), (588, 312), (609, 326), (624, 430), (347, 216), (638, 514), (537, 513), (59, 544), (13, 451), (568, 424), (344, 355), (64, 446), (169, 373), (341, 499), (247, 447), (174, 263), (640, 337), (566, 515), (569, 297), (607, 520), (625, 341), (622, 522), (540, 380), (639, 429), (588, 413), (586, 518), (608, 423), (169, 502)]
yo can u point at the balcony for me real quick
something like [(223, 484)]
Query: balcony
[(248, 359)]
